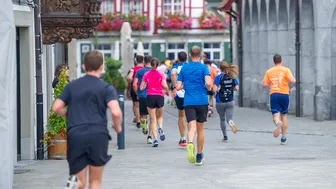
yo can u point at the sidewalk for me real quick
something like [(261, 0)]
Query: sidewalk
[(252, 159)]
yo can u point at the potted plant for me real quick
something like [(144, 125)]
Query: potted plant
[(56, 134), (113, 76), (209, 20), (174, 21)]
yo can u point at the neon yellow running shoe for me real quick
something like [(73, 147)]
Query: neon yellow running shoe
[(190, 151), (143, 125)]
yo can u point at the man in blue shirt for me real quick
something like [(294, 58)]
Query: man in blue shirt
[(179, 98), (142, 95), (195, 79)]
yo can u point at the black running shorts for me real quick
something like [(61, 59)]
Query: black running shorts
[(179, 103), (155, 101), (134, 96), (143, 106), (196, 112), (85, 149)]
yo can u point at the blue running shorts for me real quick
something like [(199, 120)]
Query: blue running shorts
[(279, 103)]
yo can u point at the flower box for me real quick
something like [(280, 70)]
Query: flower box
[(173, 21), (209, 20), (113, 22)]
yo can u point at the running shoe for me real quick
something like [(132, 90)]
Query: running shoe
[(182, 143), (72, 183), (199, 159), (283, 140), (149, 140), (162, 135), (156, 143), (233, 126), (190, 151), (225, 139), (138, 125), (277, 129), (144, 126)]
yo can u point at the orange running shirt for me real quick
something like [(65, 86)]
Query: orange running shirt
[(278, 77), (213, 73)]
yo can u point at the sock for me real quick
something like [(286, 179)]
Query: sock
[(283, 137)]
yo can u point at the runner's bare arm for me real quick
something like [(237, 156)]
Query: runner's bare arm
[(208, 82), (114, 107), (129, 77), (291, 79), (135, 84), (179, 85), (266, 81), (142, 85), (236, 88), (59, 107), (214, 88), (173, 77), (165, 86)]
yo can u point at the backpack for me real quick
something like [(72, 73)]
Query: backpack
[(225, 89)]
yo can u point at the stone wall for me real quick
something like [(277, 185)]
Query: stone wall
[(269, 28)]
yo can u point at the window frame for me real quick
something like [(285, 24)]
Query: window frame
[(175, 50), (146, 51), (212, 51), (130, 9), (105, 5), (105, 51), (172, 5)]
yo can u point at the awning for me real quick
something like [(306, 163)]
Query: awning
[(226, 6)]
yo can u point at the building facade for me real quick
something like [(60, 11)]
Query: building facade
[(159, 42), (269, 28)]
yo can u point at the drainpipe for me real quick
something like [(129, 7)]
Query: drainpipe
[(231, 47), (297, 62), (39, 87), (240, 52)]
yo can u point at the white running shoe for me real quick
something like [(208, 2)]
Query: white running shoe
[(72, 183)]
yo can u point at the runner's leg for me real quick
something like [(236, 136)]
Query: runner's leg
[(220, 107), (152, 123), (95, 177)]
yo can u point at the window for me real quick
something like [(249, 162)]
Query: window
[(106, 6), (146, 48), (172, 6), (132, 6), (173, 49), (106, 49), (213, 51)]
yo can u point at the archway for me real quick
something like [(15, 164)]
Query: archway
[(247, 53), (254, 62), (308, 71), (263, 53), (333, 67)]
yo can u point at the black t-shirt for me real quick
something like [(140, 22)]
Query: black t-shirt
[(87, 99)]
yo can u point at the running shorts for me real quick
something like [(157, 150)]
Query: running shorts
[(87, 148), (143, 106), (279, 103), (179, 103), (134, 96), (155, 101), (196, 112)]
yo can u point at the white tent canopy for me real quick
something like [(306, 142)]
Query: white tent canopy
[(7, 93)]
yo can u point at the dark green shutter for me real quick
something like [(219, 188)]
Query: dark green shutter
[(191, 44), (156, 51), (227, 52)]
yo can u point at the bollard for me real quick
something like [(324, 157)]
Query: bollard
[(121, 135)]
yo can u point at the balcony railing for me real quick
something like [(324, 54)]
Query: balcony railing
[(20, 2)]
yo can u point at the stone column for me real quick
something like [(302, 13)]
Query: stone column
[(247, 53), (126, 48), (72, 59)]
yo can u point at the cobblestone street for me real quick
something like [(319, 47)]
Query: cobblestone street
[(251, 159)]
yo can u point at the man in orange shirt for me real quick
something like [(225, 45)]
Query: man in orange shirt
[(213, 74), (277, 78)]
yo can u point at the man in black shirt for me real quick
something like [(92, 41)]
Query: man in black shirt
[(84, 102)]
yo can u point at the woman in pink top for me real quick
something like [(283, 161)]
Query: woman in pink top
[(155, 83)]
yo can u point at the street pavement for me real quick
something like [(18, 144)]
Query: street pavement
[(251, 159)]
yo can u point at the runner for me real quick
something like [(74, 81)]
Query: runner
[(179, 96), (130, 77), (142, 94), (213, 74), (224, 85), (84, 102), (278, 78), (155, 82), (195, 79)]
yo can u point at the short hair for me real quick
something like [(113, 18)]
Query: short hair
[(155, 63), (277, 59), (93, 60), (195, 51), (182, 56), (148, 59), (139, 59), (207, 62)]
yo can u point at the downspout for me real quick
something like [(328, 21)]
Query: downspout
[(240, 53), (231, 46), (297, 62)]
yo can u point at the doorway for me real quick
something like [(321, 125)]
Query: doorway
[(18, 96)]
